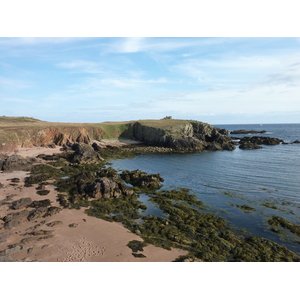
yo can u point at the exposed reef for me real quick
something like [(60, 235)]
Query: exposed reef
[(243, 131), (262, 140)]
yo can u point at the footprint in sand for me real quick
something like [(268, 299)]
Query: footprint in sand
[(83, 251)]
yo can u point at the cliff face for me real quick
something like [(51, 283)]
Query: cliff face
[(176, 134), (192, 135), (30, 137)]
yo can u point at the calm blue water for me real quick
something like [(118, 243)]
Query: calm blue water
[(224, 179)]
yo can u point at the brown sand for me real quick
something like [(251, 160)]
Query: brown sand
[(92, 240)]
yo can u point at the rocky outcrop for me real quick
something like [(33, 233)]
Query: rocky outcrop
[(243, 131), (85, 154), (261, 140), (142, 179), (22, 203), (190, 135), (14, 219), (104, 188), (17, 162), (43, 212)]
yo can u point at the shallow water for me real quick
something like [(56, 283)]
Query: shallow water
[(224, 179)]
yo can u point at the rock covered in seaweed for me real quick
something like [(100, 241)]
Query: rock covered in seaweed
[(104, 188), (142, 179)]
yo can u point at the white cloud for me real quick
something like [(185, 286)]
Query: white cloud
[(81, 66), (137, 44)]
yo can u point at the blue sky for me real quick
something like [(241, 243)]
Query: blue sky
[(215, 80)]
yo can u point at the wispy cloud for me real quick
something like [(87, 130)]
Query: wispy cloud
[(82, 66), (18, 41), (289, 76), (137, 44), (13, 84)]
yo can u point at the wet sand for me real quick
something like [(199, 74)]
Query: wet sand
[(89, 240)]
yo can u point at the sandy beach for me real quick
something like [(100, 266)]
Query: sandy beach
[(75, 237)]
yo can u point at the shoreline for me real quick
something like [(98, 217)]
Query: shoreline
[(97, 233), (91, 240)]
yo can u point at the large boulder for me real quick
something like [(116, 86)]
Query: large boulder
[(85, 154), (18, 163), (104, 188), (22, 203), (14, 219)]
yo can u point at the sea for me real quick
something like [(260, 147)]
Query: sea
[(267, 180)]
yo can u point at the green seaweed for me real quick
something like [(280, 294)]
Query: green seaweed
[(136, 246), (282, 222)]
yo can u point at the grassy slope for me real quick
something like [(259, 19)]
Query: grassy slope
[(111, 130)]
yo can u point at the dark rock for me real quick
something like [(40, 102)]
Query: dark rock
[(42, 232), (41, 203), (96, 147), (52, 157), (52, 210), (73, 225), (261, 140), (249, 145), (43, 192), (54, 223), (29, 239), (14, 219), (142, 179), (85, 154), (104, 188), (3, 158), (296, 142), (38, 213), (17, 162), (22, 203), (32, 250), (243, 131), (35, 178), (15, 180)]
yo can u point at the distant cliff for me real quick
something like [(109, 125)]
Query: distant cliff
[(192, 135), (172, 133)]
